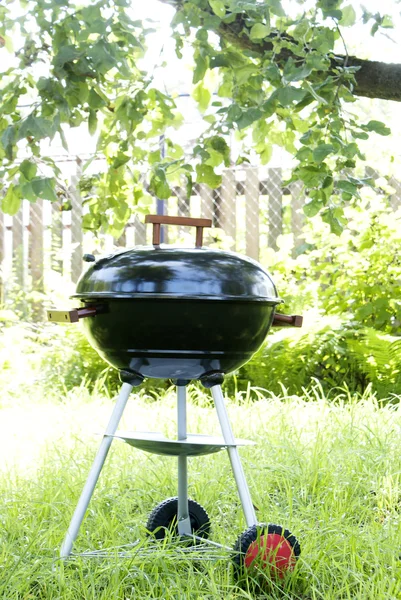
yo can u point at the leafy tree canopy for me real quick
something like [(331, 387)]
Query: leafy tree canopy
[(274, 77)]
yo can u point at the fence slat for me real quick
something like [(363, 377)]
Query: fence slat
[(206, 195), (227, 205), (36, 253), (139, 232), (18, 248), (56, 237), (252, 212), (275, 207), (2, 237), (2, 256), (122, 240), (183, 203), (76, 230), (395, 199), (297, 214)]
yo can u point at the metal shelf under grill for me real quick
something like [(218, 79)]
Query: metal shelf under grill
[(194, 444)]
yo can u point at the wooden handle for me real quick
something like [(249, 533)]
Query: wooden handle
[(287, 320), (70, 316), (158, 220)]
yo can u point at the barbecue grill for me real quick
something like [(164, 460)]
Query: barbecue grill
[(181, 314)]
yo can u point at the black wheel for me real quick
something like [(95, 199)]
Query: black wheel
[(266, 547), (164, 518)]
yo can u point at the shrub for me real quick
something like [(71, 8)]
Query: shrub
[(333, 351), (68, 360), (356, 275)]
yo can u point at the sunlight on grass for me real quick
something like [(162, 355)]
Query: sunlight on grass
[(329, 471)]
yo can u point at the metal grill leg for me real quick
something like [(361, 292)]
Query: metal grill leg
[(183, 520), (94, 473), (239, 475)]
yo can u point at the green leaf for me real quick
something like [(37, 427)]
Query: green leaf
[(158, 184), (293, 73), (348, 16), (266, 154), (202, 35), (317, 61), (28, 169), (312, 207), (43, 187), (243, 74), (36, 127), (286, 96), (12, 200), (215, 158), (259, 31), (377, 127), (248, 117), (65, 55), (94, 100), (360, 135), (269, 107), (335, 223), (92, 122), (120, 160), (322, 151), (387, 22), (324, 40), (63, 139), (218, 7), (27, 192), (334, 14), (102, 55), (206, 174), (350, 150), (200, 68), (202, 96), (347, 186), (234, 113), (8, 140), (275, 7), (314, 93), (313, 176)]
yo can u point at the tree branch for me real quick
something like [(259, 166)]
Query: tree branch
[(374, 79)]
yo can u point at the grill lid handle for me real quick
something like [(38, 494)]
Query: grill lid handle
[(280, 320), (70, 316), (158, 220)]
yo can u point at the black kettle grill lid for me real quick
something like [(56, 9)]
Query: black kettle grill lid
[(195, 273)]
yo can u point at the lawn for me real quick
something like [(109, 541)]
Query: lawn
[(327, 470)]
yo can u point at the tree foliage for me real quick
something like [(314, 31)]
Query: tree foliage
[(265, 74)]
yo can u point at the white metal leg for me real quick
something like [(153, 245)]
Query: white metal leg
[(239, 475), (95, 471), (183, 520)]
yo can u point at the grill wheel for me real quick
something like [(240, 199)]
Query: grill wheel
[(268, 548), (163, 518)]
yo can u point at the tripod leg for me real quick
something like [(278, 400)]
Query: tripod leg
[(94, 473), (183, 520), (239, 475)]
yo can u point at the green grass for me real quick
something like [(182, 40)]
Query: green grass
[(328, 471)]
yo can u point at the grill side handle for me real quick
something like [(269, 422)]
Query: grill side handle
[(70, 316), (158, 220), (280, 320)]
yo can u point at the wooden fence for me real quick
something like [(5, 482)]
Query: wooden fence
[(249, 212)]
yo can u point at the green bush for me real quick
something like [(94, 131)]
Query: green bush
[(333, 351), (68, 360), (356, 275), (58, 357)]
